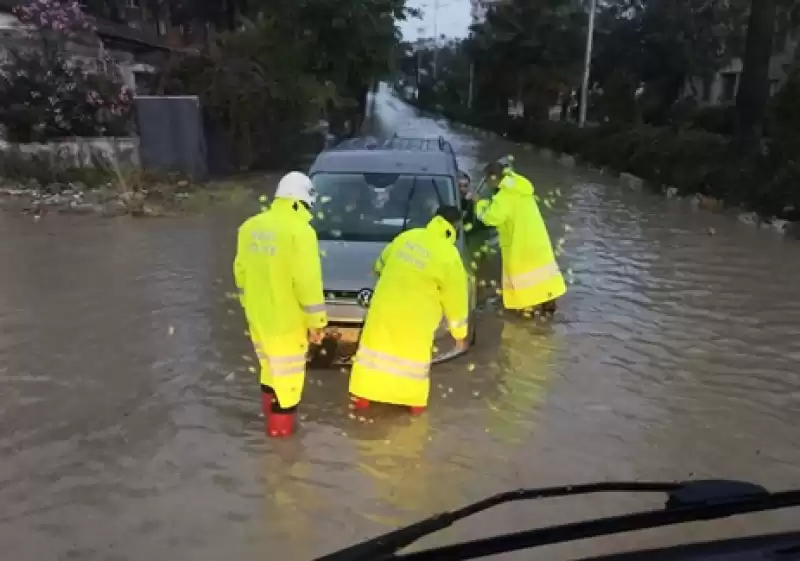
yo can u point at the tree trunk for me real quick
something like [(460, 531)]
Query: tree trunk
[(753, 95)]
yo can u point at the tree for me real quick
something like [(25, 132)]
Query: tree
[(528, 51), (665, 45), (44, 94), (751, 100)]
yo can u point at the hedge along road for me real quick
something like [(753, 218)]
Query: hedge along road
[(128, 425)]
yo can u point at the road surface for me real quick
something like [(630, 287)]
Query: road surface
[(129, 421)]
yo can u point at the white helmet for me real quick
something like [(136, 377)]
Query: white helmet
[(297, 186)]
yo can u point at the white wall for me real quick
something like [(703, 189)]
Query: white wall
[(82, 152)]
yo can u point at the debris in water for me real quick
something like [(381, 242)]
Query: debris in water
[(251, 369), (171, 330), (711, 231), (230, 377), (471, 366)]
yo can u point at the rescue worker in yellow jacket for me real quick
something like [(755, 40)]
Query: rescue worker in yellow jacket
[(532, 280), (421, 275), (278, 274)]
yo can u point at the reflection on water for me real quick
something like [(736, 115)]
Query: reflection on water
[(129, 421)]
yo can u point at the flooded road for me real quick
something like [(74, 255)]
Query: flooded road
[(128, 415)]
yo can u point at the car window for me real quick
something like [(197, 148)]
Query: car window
[(376, 206)]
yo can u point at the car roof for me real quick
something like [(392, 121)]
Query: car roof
[(416, 156)]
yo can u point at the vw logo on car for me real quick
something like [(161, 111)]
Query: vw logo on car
[(363, 297)]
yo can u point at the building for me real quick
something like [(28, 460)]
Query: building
[(479, 8), (722, 87), (135, 45)]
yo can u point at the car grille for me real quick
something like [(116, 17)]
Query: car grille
[(341, 294)]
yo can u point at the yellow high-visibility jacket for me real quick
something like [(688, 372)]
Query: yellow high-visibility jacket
[(421, 276), (530, 273), (279, 277)]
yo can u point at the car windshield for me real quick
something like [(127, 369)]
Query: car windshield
[(376, 206)]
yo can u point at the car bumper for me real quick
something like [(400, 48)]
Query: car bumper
[(341, 343)]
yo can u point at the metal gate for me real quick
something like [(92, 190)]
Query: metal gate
[(171, 135)]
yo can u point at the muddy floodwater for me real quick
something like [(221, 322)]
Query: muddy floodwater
[(129, 425)]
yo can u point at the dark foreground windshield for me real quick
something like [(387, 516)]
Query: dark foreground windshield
[(376, 206)]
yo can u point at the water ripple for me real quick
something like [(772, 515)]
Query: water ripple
[(129, 415)]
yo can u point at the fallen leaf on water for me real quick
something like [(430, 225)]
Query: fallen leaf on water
[(471, 367)]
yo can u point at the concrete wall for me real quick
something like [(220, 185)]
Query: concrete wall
[(82, 152)]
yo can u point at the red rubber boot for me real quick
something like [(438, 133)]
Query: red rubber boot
[(417, 410), (359, 403), (280, 425)]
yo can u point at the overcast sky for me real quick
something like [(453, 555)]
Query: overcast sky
[(453, 19)]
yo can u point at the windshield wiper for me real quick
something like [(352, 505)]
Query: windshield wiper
[(687, 502)]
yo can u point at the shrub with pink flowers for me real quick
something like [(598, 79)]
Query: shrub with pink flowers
[(55, 16), (45, 94)]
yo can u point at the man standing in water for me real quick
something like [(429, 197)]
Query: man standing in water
[(278, 274), (532, 280), (467, 205), (421, 275)]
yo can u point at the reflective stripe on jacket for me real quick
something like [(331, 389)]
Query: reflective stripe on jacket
[(279, 278), (530, 273), (421, 276)]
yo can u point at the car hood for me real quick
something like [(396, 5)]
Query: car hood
[(348, 266)]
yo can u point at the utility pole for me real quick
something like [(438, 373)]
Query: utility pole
[(587, 64), (435, 37), (418, 48)]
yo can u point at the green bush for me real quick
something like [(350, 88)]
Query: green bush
[(690, 159), (718, 119)]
